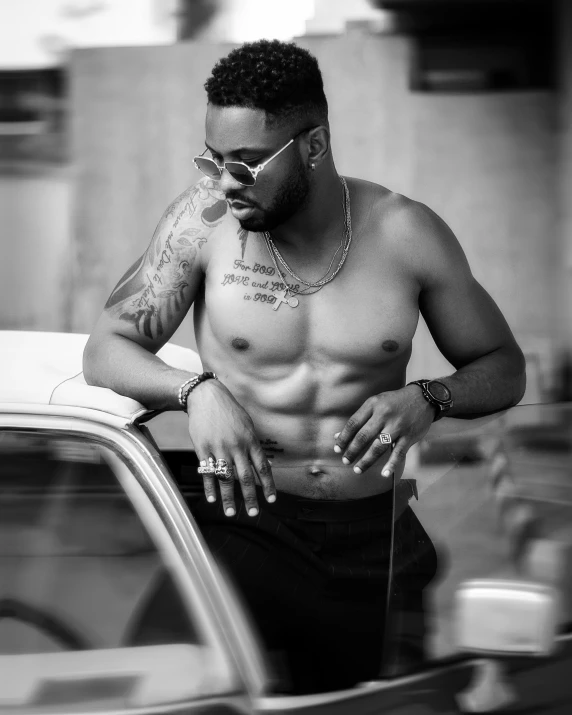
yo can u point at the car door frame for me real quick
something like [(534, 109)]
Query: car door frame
[(197, 573)]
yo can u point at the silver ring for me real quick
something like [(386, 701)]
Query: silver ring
[(223, 472), (205, 468), (385, 438)]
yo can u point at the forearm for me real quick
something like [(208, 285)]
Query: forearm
[(131, 370), (491, 383)]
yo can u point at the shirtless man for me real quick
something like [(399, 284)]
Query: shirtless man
[(310, 411)]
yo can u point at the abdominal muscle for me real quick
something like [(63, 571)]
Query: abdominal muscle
[(295, 420)]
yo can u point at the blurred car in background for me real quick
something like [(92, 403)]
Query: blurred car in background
[(94, 521)]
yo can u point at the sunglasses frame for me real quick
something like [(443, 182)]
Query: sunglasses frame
[(253, 171)]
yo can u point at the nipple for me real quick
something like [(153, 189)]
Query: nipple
[(240, 344)]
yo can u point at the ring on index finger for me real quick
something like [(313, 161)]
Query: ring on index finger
[(223, 471)]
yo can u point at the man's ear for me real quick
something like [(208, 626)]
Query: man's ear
[(319, 145)]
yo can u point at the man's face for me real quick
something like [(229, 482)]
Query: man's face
[(282, 187)]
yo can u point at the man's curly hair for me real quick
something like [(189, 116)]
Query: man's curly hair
[(280, 78)]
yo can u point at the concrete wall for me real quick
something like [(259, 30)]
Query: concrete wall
[(36, 242), (486, 163)]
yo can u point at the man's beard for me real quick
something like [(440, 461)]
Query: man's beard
[(292, 198)]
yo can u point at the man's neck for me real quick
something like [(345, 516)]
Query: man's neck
[(320, 224)]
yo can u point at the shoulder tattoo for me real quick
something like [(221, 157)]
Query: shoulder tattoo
[(152, 292)]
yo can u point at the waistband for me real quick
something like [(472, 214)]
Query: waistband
[(334, 510)]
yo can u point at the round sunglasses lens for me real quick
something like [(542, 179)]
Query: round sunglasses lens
[(240, 173), (208, 167)]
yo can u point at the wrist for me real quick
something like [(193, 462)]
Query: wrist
[(437, 395), (190, 385), (421, 403)]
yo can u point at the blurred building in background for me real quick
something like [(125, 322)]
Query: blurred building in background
[(465, 105)]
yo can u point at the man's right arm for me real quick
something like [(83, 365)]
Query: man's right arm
[(150, 301), (142, 313)]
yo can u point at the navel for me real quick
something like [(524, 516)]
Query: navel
[(240, 344), (390, 346)]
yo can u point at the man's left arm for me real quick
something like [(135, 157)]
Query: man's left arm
[(469, 330)]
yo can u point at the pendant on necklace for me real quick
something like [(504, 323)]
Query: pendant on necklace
[(283, 298)]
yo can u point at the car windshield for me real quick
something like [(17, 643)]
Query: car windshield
[(494, 495)]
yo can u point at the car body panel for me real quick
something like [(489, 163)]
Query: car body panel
[(43, 368)]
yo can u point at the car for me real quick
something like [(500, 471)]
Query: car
[(94, 521)]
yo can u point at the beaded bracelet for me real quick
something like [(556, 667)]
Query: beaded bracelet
[(189, 385), (181, 390)]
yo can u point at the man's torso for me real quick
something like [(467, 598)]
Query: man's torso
[(301, 372)]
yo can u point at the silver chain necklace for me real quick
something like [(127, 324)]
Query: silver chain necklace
[(288, 294)]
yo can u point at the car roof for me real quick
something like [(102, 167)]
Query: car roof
[(42, 372)]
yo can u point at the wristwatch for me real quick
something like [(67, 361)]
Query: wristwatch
[(436, 394)]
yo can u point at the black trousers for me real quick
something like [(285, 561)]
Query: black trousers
[(314, 576)]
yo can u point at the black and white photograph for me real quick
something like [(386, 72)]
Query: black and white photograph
[(285, 357)]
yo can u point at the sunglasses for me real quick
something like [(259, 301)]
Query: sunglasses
[(241, 172)]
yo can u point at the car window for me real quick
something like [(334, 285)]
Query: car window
[(90, 610)]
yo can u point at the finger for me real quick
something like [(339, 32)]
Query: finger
[(227, 496), (362, 441), (352, 426), (264, 471), (209, 485), (397, 459), (245, 476), (373, 453), (209, 482)]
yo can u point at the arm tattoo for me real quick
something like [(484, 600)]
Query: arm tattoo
[(153, 289)]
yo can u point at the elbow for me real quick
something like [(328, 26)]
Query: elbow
[(90, 363)]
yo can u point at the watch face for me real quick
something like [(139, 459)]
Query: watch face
[(439, 391)]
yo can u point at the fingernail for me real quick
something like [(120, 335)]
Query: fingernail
[(337, 449), (386, 473), (253, 511), (211, 498), (345, 461), (337, 435), (357, 470), (271, 498), (230, 511)]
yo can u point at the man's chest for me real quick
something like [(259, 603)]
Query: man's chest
[(368, 313)]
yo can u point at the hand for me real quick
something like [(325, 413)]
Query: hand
[(404, 414), (222, 429)]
